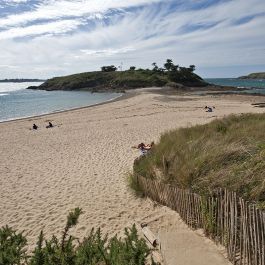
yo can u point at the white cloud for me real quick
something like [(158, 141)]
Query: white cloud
[(14, 1), (57, 27), (55, 9), (107, 52), (8, 66), (139, 38)]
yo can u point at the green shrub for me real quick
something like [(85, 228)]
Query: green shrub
[(12, 247), (93, 250)]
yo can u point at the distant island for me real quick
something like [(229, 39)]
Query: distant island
[(260, 75), (111, 80), (20, 80)]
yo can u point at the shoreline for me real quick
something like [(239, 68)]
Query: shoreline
[(132, 92), (124, 95), (67, 110)]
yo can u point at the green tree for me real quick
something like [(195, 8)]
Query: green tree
[(110, 68), (169, 65), (192, 68), (155, 67)]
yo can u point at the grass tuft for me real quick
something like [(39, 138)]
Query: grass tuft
[(134, 185)]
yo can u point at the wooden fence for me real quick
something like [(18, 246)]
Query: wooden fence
[(226, 218)]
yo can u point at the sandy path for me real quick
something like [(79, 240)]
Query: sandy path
[(83, 161)]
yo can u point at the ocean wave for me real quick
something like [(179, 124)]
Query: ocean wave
[(4, 94)]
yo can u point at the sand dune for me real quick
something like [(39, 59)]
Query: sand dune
[(83, 161)]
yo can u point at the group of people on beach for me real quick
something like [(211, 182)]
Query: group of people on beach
[(35, 127)]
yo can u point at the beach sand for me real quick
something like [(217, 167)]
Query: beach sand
[(83, 161)]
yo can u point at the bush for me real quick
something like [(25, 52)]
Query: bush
[(12, 247), (93, 250), (110, 68)]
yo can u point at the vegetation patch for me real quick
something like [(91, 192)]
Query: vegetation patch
[(227, 153), (95, 249), (134, 185), (253, 76), (108, 79)]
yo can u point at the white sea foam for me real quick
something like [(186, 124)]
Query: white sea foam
[(9, 87), (3, 94)]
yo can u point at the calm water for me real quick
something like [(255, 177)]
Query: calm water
[(257, 85), (17, 102)]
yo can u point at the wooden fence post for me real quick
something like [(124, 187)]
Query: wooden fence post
[(226, 218)]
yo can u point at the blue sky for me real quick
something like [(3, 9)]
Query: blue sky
[(46, 38)]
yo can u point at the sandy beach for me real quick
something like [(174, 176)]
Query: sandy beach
[(83, 161)]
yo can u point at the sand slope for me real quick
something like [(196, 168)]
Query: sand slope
[(82, 162)]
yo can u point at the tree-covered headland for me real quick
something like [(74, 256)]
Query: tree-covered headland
[(109, 79)]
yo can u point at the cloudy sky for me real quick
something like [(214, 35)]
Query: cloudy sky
[(46, 38)]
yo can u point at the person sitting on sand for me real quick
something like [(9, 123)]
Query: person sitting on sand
[(50, 125), (209, 109), (149, 146), (144, 148), (34, 127)]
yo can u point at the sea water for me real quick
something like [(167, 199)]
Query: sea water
[(253, 85), (18, 102)]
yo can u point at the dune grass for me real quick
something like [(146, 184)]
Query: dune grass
[(227, 153)]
